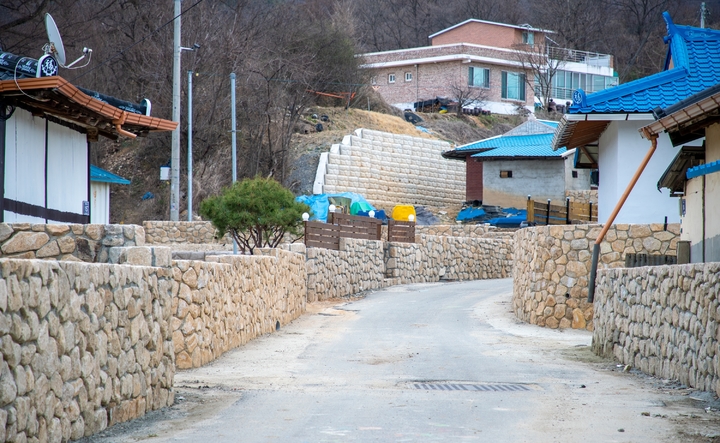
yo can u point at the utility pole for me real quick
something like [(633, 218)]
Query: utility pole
[(703, 13), (189, 142), (234, 140), (175, 156)]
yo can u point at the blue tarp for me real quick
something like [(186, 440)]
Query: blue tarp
[(320, 203), (507, 222), (513, 221), (470, 213)]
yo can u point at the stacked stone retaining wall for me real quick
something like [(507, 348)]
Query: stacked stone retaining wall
[(391, 169), (358, 266), (583, 196), (73, 242), (662, 320), (449, 258), (190, 232), (552, 265), (224, 303), (84, 346)]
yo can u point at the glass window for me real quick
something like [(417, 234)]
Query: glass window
[(408, 76), (391, 78), (598, 82), (513, 86), (479, 77), (528, 38)]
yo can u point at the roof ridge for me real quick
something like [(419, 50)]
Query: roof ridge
[(694, 57), (630, 87)]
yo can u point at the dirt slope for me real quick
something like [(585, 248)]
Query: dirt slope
[(141, 165)]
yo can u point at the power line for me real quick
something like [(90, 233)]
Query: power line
[(136, 43)]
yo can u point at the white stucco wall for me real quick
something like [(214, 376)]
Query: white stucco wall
[(67, 169), (100, 203), (61, 180), (542, 179), (701, 224), (24, 158), (621, 151), (712, 196)]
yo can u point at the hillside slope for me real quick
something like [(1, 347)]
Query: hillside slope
[(211, 173)]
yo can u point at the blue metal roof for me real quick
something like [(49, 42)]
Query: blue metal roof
[(103, 176), (526, 146), (695, 57), (699, 171), (527, 128)]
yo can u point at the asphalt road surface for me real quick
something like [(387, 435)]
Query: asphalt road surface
[(441, 362)]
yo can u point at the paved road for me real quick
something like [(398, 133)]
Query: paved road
[(420, 363)]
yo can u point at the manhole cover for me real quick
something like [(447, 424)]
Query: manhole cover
[(485, 387)]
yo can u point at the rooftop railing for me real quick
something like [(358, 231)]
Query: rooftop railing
[(585, 57)]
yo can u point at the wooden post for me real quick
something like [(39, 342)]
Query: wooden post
[(548, 213), (567, 210), (530, 210)]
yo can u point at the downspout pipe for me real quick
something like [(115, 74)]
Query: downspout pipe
[(618, 207)]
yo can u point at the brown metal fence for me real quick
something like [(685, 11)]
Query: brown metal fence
[(546, 213), (401, 231)]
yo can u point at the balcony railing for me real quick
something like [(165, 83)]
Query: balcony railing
[(585, 57)]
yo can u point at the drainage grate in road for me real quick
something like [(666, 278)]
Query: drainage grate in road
[(486, 387)]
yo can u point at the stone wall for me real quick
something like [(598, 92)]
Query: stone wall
[(391, 169), (73, 242), (552, 265), (194, 232), (466, 230), (662, 320), (449, 258), (358, 266), (224, 303), (363, 264), (584, 196), (84, 346)]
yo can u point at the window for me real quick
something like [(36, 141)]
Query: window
[(391, 78), (505, 174), (528, 38), (513, 86), (574, 174), (373, 80), (479, 77), (408, 76), (566, 82)]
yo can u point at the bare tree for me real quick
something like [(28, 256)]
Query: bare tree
[(466, 95), (541, 61)]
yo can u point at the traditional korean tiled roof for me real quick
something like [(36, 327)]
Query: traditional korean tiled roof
[(103, 176), (521, 147), (56, 97), (692, 65)]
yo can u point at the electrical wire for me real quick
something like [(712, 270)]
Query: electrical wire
[(136, 43)]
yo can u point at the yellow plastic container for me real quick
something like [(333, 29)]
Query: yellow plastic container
[(401, 212)]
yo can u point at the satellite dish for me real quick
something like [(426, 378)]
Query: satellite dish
[(56, 44)]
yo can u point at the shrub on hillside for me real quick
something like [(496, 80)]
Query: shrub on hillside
[(257, 212)]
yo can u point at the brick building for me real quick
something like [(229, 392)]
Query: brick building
[(481, 54)]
